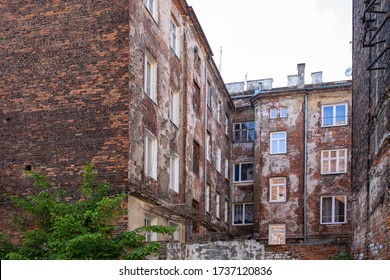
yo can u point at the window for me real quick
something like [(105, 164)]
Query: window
[(218, 160), (277, 189), (174, 173), (208, 93), (175, 108), (150, 155), (226, 124), (218, 205), (283, 112), (174, 37), (208, 146), (152, 8), (195, 223), (243, 172), (195, 158), (226, 169), (243, 214), (334, 115), (334, 209), (226, 211), (207, 198), (149, 221), (278, 143), (196, 98), (244, 132), (277, 234), (219, 112), (175, 235), (150, 77), (334, 161), (272, 113), (197, 60)]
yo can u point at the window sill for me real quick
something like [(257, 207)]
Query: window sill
[(154, 100), (240, 225)]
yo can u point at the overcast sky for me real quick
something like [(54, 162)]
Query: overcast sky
[(268, 38)]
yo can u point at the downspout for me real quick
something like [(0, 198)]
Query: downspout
[(305, 172), (205, 139)]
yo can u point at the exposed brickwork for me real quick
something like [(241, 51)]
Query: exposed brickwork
[(63, 92), (304, 251), (371, 126)]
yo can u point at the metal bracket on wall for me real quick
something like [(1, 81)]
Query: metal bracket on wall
[(374, 21)]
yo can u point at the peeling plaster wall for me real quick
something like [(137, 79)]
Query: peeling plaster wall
[(288, 165), (230, 250), (324, 138)]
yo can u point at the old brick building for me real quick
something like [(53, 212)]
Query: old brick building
[(130, 86), (371, 107), (292, 160)]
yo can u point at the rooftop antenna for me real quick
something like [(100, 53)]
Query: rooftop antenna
[(220, 61)]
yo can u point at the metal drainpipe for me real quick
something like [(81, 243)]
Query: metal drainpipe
[(305, 173)]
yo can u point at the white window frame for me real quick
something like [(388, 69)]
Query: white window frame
[(273, 113), (226, 124), (174, 35), (218, 160), (150, 221), (239, 176), (219, 111), (208, 146), (207, 197), (175, 108), (333, 209), (174, 173), (176, 234), (338, 161), (275, 230), (150, 76), (151, 5), (272, 185), (150, 160), (334, 116), (278, 140), (248, 131), (243, 214), (226, 169), (283, 112), (218, 205)]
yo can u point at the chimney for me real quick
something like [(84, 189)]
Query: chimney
[(316, 77), (292, 80), (301, 75)]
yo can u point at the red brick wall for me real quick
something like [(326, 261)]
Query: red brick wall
[(63, 91)]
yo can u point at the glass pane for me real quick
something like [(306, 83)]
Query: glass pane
[(237, 136), (274, 194), (325, 154), (248, 213), (341, 113), (283, 112), (238, 214), (251, 135), (251, 125), (282, 146), (281, 193), (243, 126), (339, 211), (326, 209), (244, 136), (341, 165), (237, 172), (246, 171), (333, 154), (328, 116), (237, 126), (341, 153), (333, 166), (325, 166)]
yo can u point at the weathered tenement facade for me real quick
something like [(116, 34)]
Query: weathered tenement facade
[(130, 86), (292, 161), (371, 127)]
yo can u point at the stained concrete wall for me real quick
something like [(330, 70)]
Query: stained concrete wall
[(229, 250)]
